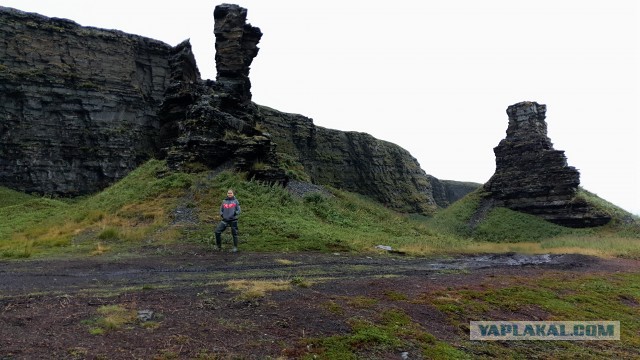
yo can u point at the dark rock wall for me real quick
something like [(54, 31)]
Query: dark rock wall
[(532, 177), (353, 161), (78, 105)]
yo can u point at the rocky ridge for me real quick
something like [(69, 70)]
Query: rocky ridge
[(534, 178)]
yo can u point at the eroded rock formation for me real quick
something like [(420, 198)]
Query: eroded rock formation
[(81, 107), (236, 46), (210, 124), (446, 192), (532, 177)]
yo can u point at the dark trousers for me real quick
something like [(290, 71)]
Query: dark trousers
[(222, 226)]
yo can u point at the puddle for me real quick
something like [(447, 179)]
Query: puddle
[(494, 260)]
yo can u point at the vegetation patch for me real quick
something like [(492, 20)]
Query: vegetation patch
[(552, 297), (390, 331), (254, 289), (110, 318)]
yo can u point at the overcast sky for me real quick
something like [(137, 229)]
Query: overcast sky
[(434, 77)]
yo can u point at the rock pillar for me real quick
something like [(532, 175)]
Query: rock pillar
[(532, 177), (236, 46)]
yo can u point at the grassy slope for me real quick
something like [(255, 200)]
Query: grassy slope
[(507, 230), (137, 211)]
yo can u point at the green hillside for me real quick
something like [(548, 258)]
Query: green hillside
[(154, 209)]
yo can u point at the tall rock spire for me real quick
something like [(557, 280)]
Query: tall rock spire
[(236, 46), (532, 177)]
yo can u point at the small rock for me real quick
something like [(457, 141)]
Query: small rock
[(145, 315)]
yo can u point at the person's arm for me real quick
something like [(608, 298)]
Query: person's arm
[(237, 209)]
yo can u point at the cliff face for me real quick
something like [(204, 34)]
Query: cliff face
[(78, 105), (532, 177), (81, 107), (353, 161)]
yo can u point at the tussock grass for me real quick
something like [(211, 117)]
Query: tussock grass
[(10, 197)]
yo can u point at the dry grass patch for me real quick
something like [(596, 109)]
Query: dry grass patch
[(286, 262), (253, 289)]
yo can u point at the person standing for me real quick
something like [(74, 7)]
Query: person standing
[(229, 212)]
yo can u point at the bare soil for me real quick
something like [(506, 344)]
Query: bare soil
[(47, 307)]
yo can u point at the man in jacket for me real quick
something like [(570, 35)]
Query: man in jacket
[(229, 212)]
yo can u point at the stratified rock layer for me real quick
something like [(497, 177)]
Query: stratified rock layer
[(446, 192), (78, 105), (353, 161), (532, 177), (236, 46)]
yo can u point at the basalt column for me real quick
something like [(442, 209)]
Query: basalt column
[(236, 46), (532, 177)]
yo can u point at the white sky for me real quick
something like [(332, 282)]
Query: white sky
[(434, 77)]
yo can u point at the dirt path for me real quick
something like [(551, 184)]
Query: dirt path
[(48, 308), (70, 276)]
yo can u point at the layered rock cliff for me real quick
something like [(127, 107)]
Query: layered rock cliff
[(532, 177), (81, 107), (78, 105), (353, 161)]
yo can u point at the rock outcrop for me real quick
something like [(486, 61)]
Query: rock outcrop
[(81, 107), (534, 178), (78, 105)]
